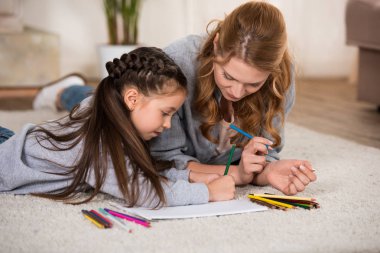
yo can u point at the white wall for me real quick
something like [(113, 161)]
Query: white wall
[(316, 29)]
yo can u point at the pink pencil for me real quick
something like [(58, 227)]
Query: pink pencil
[(128, 218)]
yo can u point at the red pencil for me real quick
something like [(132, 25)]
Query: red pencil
[(105, 221)]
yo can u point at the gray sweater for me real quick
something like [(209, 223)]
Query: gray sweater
[(184, 142), (26, 167)]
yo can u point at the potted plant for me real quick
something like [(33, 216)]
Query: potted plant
[(122, 18)]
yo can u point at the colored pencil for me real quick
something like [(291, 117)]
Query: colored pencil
[(96, 218), (115, 220), (130, 215), (105, 221), (232, 126), (267, 204), (128, 212), (272, 196), (99, 225), (271, 201), (229, 159), (273, 204), (128, 218), (300, 202), (304, 206)]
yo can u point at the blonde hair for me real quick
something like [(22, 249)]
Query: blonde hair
[(256, 33)]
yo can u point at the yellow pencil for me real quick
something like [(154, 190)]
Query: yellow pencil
[(93, 221), (270, 201), (282, 197), (269, 204)]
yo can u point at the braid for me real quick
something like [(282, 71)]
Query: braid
[(137, 63), (148, 68)]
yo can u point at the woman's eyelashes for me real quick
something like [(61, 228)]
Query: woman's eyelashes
[(255, 85), (228, 77)]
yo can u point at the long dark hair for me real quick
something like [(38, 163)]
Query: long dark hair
[(107, 132)]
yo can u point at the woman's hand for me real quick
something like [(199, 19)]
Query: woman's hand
[(222, 188), (200, 177), (287, 176), (252, 160)]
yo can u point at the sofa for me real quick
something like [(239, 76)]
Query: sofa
[(363, 31)]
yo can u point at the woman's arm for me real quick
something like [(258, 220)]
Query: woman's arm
[(217, 169), (287, 176)]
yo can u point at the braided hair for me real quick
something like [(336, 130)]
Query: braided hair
[(146, 70), (108, 133)]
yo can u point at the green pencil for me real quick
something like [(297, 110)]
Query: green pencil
[(229, 159)]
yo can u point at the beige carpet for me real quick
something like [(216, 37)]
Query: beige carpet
[(348, 189)]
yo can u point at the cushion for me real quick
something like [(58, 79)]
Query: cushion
[(363, 23)]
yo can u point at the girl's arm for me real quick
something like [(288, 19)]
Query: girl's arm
[(179, 192)]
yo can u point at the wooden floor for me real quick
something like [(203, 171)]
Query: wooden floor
[(326, 106), (330, 106)]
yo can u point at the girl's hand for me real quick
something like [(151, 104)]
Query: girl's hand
[(222, 188), (200, 177), (287, 176), (252, 160)]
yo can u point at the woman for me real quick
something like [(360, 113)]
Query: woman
[(240, 73)]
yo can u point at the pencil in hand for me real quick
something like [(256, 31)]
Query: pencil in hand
[(229, 159)]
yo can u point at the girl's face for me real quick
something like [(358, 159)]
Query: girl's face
[(236, 79), (151, 115)]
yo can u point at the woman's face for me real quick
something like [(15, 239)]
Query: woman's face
[(236, 79)]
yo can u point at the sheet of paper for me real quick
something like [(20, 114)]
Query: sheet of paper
[(193, 211)]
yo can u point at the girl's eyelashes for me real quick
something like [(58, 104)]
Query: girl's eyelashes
[(165, 114)]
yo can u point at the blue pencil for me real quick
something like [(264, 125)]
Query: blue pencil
[(232, 126)]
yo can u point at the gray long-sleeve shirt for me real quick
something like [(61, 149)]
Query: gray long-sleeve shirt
[(184, 142), (26, 167)]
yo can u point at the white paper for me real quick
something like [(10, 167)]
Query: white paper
[(193, 211)]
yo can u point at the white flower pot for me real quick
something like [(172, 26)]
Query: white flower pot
[(109, 52)]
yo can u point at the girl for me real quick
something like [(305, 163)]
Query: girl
[(102, 142), (239, 73)]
